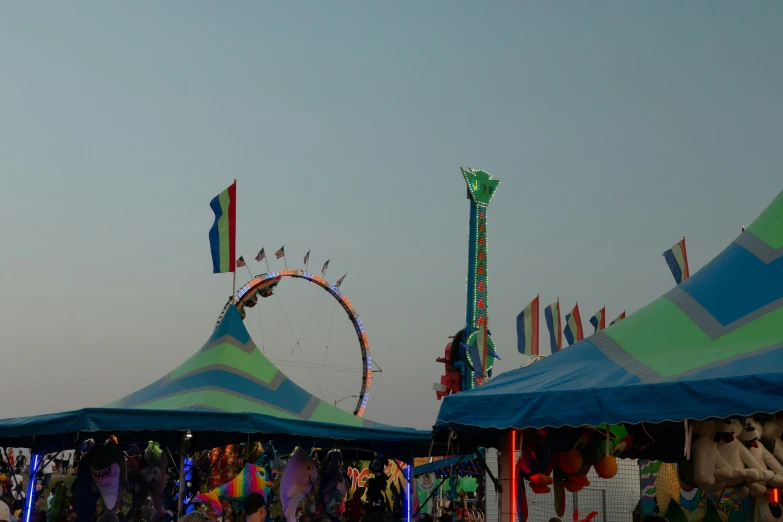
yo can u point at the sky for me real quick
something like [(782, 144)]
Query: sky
[(616, 128)]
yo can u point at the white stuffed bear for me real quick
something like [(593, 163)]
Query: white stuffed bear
[(771, 436), (750, 438), (709, 466), (749, 470)]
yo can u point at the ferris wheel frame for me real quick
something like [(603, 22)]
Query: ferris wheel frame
[(264, 285)]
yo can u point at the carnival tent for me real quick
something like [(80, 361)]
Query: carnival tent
[(226, 392), (711, 347)]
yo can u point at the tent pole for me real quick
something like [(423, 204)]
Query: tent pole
[(181, 501)]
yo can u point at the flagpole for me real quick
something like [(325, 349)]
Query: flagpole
[(234, 291), (267, 264), (248, 271)]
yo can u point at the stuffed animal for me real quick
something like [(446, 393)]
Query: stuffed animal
[(768, 510), (333, 488), (109, 473), (297, 481), (85, 496), (253, 479), (750, 436), (535, 461), (771, 435), (155, 476), (748, 470)]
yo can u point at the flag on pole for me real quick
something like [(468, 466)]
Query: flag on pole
[(261, 255), (241, 262), (340, 281), (527, 329), (599, 320), (573, 326), (223, 234), (677, 259), (552, 316), (280, 253), (619, 318), (323, 268), (306, 257)]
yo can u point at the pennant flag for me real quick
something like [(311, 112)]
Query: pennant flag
[(261, 255), (323, 268), (677, 259), (552, 316), (599, 320), (573, 326), (527, 329), (306, 257), (340, 281), (619, 318), (280, 253), (223, 234), (241, 262)]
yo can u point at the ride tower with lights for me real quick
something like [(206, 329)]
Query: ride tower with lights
[(470, 355)]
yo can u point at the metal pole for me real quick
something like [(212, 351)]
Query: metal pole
[(180, 500)]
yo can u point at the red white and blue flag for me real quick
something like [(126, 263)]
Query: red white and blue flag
[(280, 253), (677, 259), (599, 320), (340, 281), (241, 261), (306, 257), (573, 326), (619, 318), (261, 255), (323, 268), (527, 329), (552, 316)]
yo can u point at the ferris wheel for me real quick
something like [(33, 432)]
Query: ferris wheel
[(264, 285)]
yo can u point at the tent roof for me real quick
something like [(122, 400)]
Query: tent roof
[(226, 392), (711, 347), (208, 428), (230, 374)]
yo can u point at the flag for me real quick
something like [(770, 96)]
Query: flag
[(573, 326), (677, 259), (527, 329), (280, 253), (619, 318), (223, 234), (552, 316), (340, 281), (323, 268), (306, 257), (241, 261), (261, 255), (599, 320)]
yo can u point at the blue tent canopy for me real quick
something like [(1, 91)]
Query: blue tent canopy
[(208, 429), (711, 347), (225, 393)]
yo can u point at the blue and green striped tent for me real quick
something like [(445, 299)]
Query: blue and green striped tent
[(227, 392), (230, 374), (710, 347)]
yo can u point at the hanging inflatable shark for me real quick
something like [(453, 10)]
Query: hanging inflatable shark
[(298, 479), (253, 479), (110, 475)]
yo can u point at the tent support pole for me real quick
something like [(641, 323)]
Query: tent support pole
[(180, 500)]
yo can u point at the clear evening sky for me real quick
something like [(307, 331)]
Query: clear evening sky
[(616, 128)]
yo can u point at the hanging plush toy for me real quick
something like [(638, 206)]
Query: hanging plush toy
[(772, 429), (750, 437), (155, 476), (297, 481), (84, 495), (109, 473), (743, 464), (535, 466), (253, 479), (588, 518), (333, 488)]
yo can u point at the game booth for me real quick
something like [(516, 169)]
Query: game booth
[(690, 388), (223, 424)]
